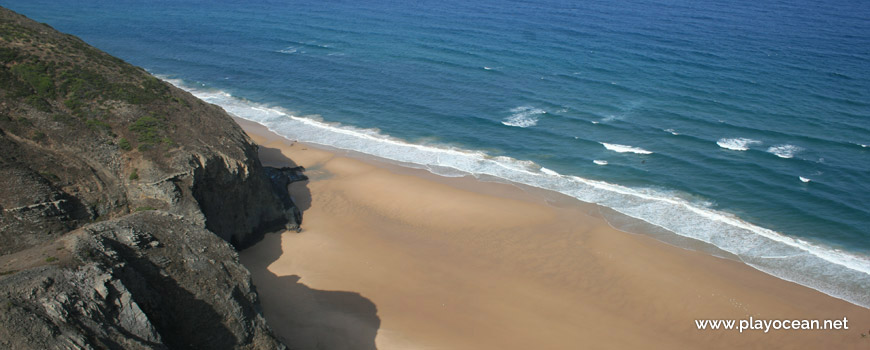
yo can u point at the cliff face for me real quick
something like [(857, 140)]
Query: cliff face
[(96, 157), (142, 281), (87, 137)]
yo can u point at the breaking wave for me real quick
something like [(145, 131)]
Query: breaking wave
[(524, 116), (738, 144), (624, 148), (785, 151), (831, 271)]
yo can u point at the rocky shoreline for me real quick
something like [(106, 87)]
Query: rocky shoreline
[(123, 202)]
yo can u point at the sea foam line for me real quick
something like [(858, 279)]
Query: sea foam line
[(625, 149), (785, 151), (524, 116), (837, 273), (737, 144)]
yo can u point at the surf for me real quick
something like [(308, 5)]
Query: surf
[(784, 151), (737, 144), (847, 276), (524, 116), (624, 149)]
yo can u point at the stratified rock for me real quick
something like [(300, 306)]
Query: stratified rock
[(86, 136), (144, 281), (148, 187)]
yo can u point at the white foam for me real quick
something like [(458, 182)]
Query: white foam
[(784, 151), (738, 144), (624, 148), (524, 116), (487, 68), (549, 172), (600, 162), (840, 274), (672, 132), (803, 179)]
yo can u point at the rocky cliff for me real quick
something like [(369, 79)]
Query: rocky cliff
[(122, 198)]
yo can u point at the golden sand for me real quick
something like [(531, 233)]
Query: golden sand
[(398, 258)]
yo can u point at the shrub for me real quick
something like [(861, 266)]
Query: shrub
[(124, 144), (75, 105), (38, 102), (38, 136), (24, 121), (61, 118), (8, 54), (96, 124), (150, 130), (82, 84), (36, 75)]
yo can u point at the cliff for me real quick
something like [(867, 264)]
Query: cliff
[(122, 199)]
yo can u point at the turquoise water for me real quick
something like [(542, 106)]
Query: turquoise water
[(742, 124)]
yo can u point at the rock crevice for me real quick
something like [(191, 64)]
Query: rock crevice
[(124, 199)]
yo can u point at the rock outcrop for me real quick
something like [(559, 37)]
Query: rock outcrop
[(150, 280), (142, 190), (86, 136)]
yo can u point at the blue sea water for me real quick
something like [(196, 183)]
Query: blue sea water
[(741, 124)]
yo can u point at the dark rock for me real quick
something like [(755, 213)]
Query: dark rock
[(150, 187), (119, 292), (280, 179), (102, 154)]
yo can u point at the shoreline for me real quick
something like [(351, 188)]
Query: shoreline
[(462, 263), (672, 218)]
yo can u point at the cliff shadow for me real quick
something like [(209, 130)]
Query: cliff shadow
[(299, 192), (308, 318)]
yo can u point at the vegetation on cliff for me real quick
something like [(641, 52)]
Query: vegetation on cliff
[(99, 137), (118, 187)]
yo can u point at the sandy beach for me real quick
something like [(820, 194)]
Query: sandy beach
[(398, 258)]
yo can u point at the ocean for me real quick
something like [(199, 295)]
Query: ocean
[(741, 127)]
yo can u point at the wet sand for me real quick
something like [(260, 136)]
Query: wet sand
[(397, 258)]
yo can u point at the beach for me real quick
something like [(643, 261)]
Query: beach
[(463, 175), (398, 258)]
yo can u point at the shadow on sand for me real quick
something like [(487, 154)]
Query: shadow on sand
[(302, 317), (298, 190), (307, 318)]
